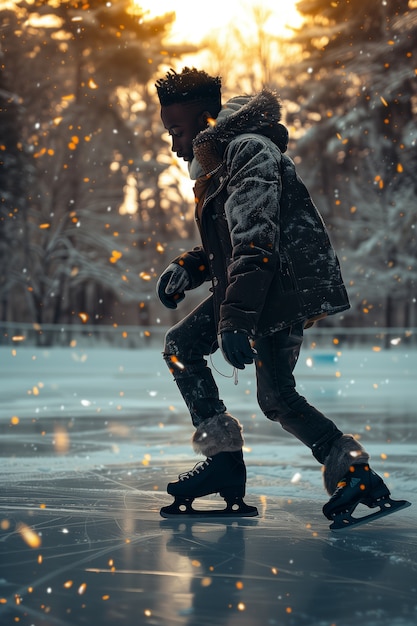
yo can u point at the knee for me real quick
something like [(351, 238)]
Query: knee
[(277, 415), (172, 343), (274, 407)]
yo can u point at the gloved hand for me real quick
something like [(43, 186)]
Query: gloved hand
[(171, 285), (236, 348)]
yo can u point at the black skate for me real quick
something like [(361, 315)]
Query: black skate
[(360, 486), (224, 473)]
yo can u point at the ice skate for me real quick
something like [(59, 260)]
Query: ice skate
[(220, 440), (360, 485), (223, 473)]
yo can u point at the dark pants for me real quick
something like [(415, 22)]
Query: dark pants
[(194, 337)]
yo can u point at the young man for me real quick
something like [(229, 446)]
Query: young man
[(273, 271)]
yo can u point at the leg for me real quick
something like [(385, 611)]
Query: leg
[(218, 435), (279, 399), (347, 474), (186, 344)]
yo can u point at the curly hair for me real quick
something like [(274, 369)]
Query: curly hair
[(189, 85)]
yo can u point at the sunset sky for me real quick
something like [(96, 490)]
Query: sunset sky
[(194, 20)]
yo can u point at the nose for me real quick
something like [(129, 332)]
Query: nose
[(175, 144)]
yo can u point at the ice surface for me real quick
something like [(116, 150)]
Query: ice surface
[(90, 439)]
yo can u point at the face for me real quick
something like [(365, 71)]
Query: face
[(184, 122)]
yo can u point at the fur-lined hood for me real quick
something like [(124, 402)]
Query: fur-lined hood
[(259, 114)]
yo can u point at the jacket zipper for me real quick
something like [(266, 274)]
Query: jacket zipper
[(215, 193)]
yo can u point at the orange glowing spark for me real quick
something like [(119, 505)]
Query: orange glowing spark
[(28, 535), (116, 255), (62, 441), (84, 317)]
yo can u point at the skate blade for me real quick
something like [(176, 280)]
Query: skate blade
[(185, 510), (345, 521)]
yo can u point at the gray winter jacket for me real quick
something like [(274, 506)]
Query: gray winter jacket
[(265, 247)]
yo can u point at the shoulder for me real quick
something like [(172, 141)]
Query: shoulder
[(255, 141), (248, 146)]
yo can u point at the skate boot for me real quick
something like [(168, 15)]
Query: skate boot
[(361, 485), (350, 481), (223, 471)]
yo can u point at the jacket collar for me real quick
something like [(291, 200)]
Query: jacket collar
[(243, 114)]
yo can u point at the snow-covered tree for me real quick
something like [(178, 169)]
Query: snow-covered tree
[(15, 175), (356, 90), (71, 64)]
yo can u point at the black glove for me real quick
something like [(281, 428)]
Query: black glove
[(171, 285), (236, 348)]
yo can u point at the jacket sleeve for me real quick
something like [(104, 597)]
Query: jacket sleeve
[(195, 263), (252, 212)]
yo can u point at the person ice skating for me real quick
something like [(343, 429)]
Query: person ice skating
[(272, 271)]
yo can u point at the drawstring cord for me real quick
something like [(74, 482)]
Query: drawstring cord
[(233, 375)]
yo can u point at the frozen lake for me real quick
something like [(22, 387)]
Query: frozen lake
[(90, 439)]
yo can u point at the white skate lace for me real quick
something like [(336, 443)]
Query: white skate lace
[(198, 467)]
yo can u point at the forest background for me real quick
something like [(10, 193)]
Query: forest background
[(93, 203)]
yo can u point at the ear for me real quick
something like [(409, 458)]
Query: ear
[(203, 118)]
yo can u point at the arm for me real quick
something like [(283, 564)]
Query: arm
[(195, 263), (252, 212)]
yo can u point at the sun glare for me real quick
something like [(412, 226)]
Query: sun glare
[(191, 26)]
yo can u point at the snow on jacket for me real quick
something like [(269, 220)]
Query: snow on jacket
[(265, 247)]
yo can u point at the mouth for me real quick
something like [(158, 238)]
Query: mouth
[(186, 157)]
